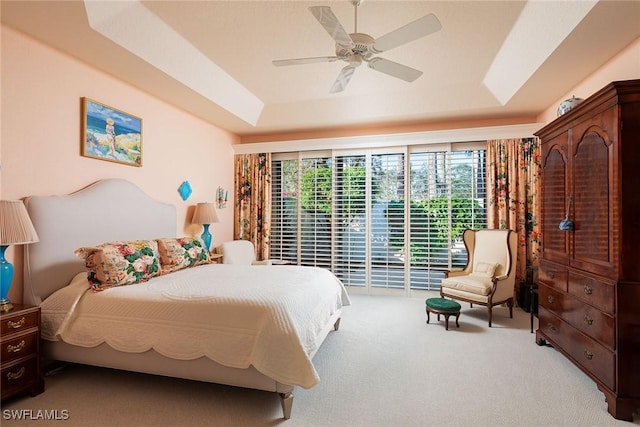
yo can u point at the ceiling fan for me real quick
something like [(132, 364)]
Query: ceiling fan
[(356, 48)]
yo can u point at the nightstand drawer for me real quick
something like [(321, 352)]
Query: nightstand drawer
[(18, 347), (20, 375), (19, 322)]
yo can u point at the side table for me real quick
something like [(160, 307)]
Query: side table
[(20, 342)]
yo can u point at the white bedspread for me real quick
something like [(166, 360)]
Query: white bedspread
[(270, 317)]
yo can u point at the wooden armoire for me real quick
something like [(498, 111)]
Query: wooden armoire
[(589, 273)]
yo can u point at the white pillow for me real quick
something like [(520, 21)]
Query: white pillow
[(484, 269)]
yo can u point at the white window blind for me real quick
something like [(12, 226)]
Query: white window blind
[(387, 219), (447, 196), (315, 211), (350, 216), (284, 210)]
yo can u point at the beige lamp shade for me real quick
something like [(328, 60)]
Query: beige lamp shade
[(15, 225), (205, 214)]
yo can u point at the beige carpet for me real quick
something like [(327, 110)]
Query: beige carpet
[(384, 367)]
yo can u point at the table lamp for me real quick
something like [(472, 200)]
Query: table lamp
[(205, 214), (15, 229)]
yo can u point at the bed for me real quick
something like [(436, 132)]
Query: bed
[(248, 326)]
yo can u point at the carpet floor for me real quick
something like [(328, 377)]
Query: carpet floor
[(385, 367)]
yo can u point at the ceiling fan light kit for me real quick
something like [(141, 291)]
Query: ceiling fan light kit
[(356, 48)]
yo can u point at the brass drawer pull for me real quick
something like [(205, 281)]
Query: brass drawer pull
[(588, 354), (551, 299), (587, 320), (552, 326), (552, 274), (18, 324), (588, 290), (16, 348), (15, 375)]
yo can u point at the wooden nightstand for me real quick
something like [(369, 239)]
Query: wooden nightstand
[(20, 349)]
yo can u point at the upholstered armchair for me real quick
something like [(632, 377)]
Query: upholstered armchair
[(240, 252), (488, 279)]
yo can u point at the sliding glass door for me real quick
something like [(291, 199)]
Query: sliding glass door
[(381, 220)]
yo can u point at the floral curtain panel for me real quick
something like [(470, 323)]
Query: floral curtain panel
[(513, 190), (252, 210)]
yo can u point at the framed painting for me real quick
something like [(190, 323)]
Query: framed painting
[(110, 134)]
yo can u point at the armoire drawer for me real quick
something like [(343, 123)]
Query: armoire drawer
[(555, 275), (592, 356), (551, 326), (551, 299), (591, 321), (592, 291)]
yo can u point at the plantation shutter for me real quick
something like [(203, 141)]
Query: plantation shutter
[(284, 210), (447, 196), (387, 220), (315, 211), (350, 208), (353, 213)]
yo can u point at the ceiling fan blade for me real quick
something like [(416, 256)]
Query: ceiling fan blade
[(343, 79), (414, 30), (394, 69), (328, 20), (299, 61)]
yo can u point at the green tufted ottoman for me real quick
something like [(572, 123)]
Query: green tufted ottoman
[(443, 306)]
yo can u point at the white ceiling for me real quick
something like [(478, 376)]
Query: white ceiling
[(491, 59)]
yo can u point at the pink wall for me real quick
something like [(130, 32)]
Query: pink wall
[(40, 138)]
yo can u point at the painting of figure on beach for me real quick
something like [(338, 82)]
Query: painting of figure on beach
[(110, 134)]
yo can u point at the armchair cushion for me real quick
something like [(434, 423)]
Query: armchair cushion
[(484, 269), (472, 284)]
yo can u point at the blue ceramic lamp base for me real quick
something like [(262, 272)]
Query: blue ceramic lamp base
[(6, 275), (206, 237)]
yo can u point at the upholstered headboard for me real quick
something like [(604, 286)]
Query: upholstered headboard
[(108, 210)]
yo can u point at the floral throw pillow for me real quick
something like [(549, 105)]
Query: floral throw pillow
[(120, 263), (183, 252)]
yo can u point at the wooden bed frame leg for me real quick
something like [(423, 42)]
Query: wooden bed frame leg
[(337, 324), (286, 399)]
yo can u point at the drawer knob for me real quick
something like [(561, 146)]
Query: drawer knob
[(588, 290), (15, 375), (15, 325), (588, 354), (551, 326), (587, 320), (552, 274), (16, 348), (551, 299)]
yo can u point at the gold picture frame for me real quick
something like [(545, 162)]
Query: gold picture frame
[(110, 134)]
